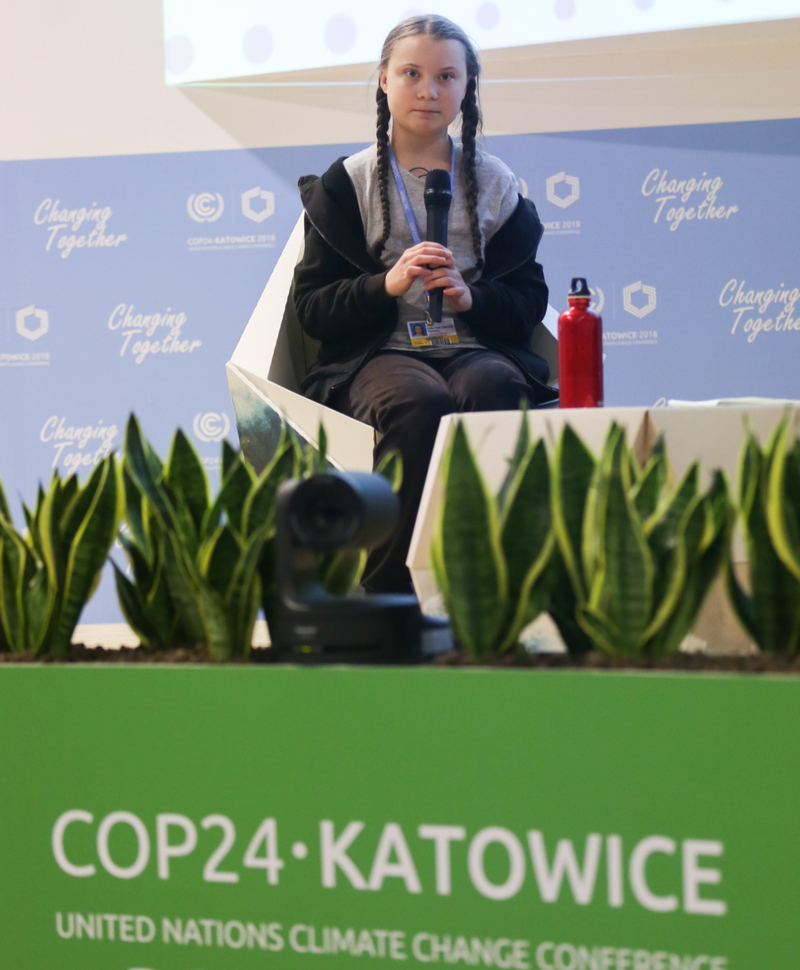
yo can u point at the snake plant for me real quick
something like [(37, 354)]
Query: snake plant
[(620, 562), (201, 568), (48, 575), (489, 553), (769, 506), (640, 557)]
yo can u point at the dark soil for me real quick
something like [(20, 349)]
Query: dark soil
[(763, 663), (130, 655)]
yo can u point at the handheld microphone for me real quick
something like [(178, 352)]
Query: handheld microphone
[(438, 196)]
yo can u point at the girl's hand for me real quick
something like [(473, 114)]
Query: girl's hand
[(447, 278), (416, 261)]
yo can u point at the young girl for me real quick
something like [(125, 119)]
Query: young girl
[(363, 284)]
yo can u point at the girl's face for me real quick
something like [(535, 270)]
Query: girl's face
[(425, 82)]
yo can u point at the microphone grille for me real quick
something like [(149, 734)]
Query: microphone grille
[(437, 188)]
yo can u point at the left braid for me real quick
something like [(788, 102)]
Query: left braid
[(383, 168)]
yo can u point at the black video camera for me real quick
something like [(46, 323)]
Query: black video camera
[(329, 512)]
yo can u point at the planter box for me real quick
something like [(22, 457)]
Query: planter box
[(714, 436), (482, 818)]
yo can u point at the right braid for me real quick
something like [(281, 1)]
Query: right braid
[(471, 120), (383, 167)]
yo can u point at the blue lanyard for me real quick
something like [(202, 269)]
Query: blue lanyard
[(398, 179)]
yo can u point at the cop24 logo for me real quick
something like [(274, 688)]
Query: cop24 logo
[(205, 206), (258, 204), (32, 323), (627, 299), (211, 426), (598, 299), (562, 201)]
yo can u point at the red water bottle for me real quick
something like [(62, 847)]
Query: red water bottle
[(580, 351)]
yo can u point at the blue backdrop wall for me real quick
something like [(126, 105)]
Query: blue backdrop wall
[(125, 282)]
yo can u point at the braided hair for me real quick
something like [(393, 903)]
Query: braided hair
[(383, 167), (439, 28), (470, 126)]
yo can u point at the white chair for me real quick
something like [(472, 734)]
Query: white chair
[(274, 355)]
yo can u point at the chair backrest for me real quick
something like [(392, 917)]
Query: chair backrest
[(265, 372)]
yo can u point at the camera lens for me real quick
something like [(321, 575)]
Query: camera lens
[(325, 513)]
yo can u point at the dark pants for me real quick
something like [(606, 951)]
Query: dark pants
[(403, 396)]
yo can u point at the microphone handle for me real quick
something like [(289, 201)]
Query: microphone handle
[(437, 232)]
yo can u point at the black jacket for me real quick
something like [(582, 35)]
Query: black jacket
[(340, 299)]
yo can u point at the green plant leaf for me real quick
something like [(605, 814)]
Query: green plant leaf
[(526, 531), (742, 604), (269, 586), (341, 571), (185, 525), (161, 612), (47, 518), (68, 490), (259, 505), (5, 644), (144, 468), (132, 607), (622, 590), (321, 463), (38, 602), (390, 467), (13, 553), (662, 525), (572, 475), (5, 512), (178, 571), (143, 571), (749, 474), (598, 629), (675, 571), (302, 459), (79, 502), (775, 591), (468, 551), (701, 573), (594, 515), (229, 456), (783, 501), (236, 483), (520, 451), (213, 616), (185, 474), (244, 592), (532, 598), (218, 558), (562, 604), (88, 551), (651, 482), (154, 464), (634, 471), (33, 537), (134, 514)]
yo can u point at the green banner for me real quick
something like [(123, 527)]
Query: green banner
[(201, 818)]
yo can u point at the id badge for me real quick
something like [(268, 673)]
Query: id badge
[(426, 333)]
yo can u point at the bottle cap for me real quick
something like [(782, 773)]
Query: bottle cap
[(579, 288)]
